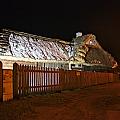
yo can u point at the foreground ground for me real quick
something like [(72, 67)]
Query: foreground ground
[(94, 103)]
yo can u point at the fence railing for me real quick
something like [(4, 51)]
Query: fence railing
[(1, 82), (30, 79)]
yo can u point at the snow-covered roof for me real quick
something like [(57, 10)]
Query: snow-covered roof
[(36, 47)]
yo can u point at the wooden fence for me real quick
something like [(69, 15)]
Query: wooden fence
[(29, 79), (80, 79), (1, 82)]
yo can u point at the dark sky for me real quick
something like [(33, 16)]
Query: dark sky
[(62, 19)]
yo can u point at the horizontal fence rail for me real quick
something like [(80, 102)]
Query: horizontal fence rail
[(30, 79)]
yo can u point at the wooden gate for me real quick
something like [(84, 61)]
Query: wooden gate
[(30, 79)]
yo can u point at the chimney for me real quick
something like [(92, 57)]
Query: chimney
[(78, 34)]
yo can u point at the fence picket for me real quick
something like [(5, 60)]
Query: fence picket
[(20, 80)]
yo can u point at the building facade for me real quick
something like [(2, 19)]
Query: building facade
[(82, 53)]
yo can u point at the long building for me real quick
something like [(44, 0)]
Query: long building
[(82, 53)]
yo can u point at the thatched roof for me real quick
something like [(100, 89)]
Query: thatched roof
[(99, 56)]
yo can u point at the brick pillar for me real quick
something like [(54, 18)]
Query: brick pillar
[(1, 82), (7, 84)]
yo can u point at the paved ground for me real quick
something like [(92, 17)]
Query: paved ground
[(94, 103)]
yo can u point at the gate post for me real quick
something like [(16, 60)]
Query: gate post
[(1, 82), (15, 80), (62, 79)]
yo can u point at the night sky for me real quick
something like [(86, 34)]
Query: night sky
[(62, 19)]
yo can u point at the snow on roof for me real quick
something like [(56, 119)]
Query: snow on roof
[(35, 47)]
